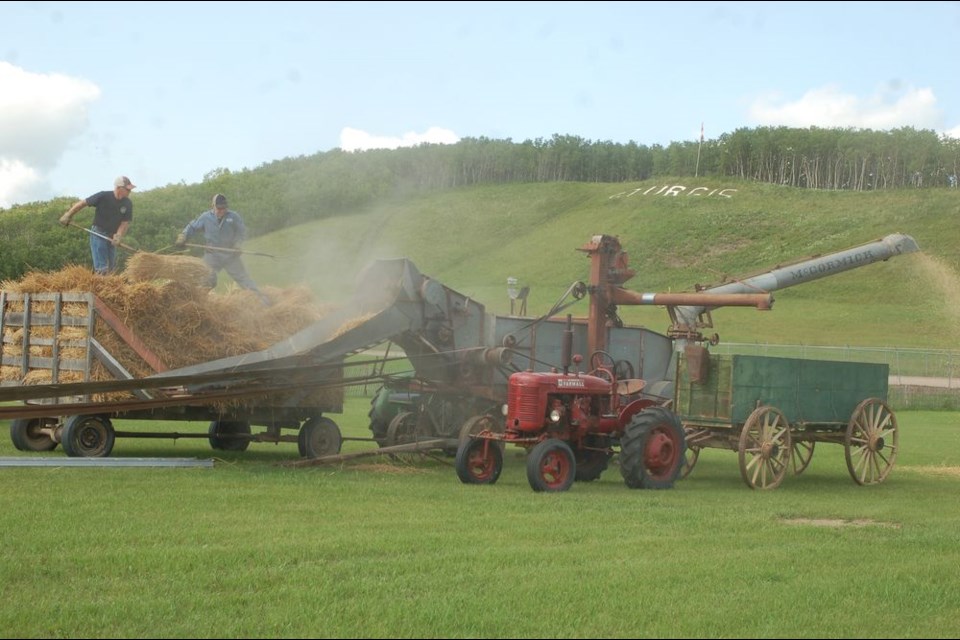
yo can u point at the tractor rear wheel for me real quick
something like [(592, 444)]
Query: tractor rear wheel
[(652, 449), (551, 466), (478, 461)]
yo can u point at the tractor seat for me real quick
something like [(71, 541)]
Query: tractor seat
[(630, 386)]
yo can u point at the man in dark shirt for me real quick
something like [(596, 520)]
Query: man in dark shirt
[(114, 213)]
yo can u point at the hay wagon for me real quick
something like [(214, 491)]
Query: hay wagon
[(75, 340), (773, 412)]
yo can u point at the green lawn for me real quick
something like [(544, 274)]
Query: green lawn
[(400, 548)]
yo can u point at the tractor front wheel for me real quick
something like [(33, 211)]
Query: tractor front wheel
[(478, 461), (551, 466)]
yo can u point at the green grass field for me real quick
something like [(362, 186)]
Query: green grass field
[(400, 548)]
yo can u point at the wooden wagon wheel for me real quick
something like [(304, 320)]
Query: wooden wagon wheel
[(764, 451), (801, 455), (871, 442), (406, 427), (690, 455)]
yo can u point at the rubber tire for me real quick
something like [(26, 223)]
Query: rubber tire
[(475, 467), (558, 454), (88, 437), (21, 434), (319, 437), (655, 421), (220, 428)]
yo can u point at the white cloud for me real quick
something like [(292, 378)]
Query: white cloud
[(40, 114), (19, 183), (356, 140), (888, 108)]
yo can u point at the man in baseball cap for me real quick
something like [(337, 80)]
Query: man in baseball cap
[(224, 232), (124, 181), (114, 213)]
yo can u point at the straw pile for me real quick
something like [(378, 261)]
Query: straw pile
[(143, 267), (181, 323)]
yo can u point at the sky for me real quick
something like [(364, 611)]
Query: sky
[(167, 92)]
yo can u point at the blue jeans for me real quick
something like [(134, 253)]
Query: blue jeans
[(103, 252), (233, 265)]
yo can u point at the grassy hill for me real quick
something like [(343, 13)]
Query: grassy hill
[(472, 239)]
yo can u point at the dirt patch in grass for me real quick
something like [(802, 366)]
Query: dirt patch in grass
[(839, 522), (951, 472)]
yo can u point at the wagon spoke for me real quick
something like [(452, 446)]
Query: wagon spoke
[(764, 469), (776, 464), (781, 435), (801, 455), (875, 469), (864, 466), (887, 433)]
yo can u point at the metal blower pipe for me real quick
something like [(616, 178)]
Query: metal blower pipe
[(813, 268)]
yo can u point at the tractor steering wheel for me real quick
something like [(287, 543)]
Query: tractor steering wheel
[(602, 365)]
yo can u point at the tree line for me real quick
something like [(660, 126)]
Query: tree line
[(292, 191), (842, 159)]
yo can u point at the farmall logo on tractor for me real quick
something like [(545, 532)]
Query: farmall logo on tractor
[(566, 383)]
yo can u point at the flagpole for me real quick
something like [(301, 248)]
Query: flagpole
[(696, 173)]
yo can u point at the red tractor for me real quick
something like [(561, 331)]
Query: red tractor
[(572, 424)]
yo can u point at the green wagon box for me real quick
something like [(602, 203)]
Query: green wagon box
[(773, 410)]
